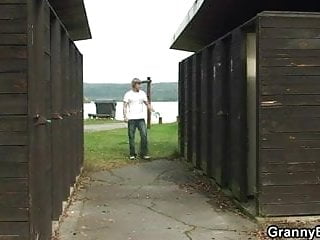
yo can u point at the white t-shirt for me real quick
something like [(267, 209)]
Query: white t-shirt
[(135, 101)]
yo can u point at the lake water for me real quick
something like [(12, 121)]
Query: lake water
[(167, 110)]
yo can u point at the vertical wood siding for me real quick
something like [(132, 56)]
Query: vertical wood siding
[(39, 97), (196, 108), (204, 124), (238, 117), (188, 109), (220, 111), (215, 112), (181, 94)]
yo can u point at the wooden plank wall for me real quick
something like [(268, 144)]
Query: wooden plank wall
[(13, 120), (56, 118), (215, 111), (41, 118), (289, 108), (289, 112)]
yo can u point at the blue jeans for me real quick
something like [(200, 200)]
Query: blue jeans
[(139, 124)]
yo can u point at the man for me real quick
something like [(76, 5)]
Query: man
[(133, 105)]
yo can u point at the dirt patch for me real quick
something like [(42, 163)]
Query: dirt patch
[(96, 167), (221, 202)]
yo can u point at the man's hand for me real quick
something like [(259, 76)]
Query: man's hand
[(125, 119), (151, 109)]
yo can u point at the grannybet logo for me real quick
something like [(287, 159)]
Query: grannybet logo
[(293, 233)]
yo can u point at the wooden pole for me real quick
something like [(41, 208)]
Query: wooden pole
[(149, 99), (148, 82)]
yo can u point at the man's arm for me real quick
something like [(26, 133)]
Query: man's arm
[(147, 103), (150, 108), (125, 110)]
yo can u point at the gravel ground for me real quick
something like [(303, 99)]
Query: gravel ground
[(104, 127)]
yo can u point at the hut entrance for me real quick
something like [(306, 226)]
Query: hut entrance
[(251, 60)]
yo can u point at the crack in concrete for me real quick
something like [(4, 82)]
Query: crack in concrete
[(188, 232), (157, 178), (192, 226), (122, 179), (150, 184), (115, 175)]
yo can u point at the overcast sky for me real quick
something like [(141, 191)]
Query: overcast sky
[(131, 38)]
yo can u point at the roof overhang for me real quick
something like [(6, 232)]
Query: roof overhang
[(73, 15), (209, 20)]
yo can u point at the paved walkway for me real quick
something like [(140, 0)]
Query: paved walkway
[(104, 127), (159, 200)]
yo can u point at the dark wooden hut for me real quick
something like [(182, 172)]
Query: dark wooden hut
[(41, 119), (105, 109), (250, 101)]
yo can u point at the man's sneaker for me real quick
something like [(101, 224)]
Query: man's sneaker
[(146, 157), (132, 158)]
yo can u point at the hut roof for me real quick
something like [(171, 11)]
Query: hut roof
[(73, 15), (209, 20)]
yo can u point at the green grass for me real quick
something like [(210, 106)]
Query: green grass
[(99, 121), (109, 149)]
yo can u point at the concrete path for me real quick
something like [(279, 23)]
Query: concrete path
[(104, 127), (159, 200)]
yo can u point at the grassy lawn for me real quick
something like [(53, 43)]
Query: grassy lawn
[(99, 121), (109, 149)]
